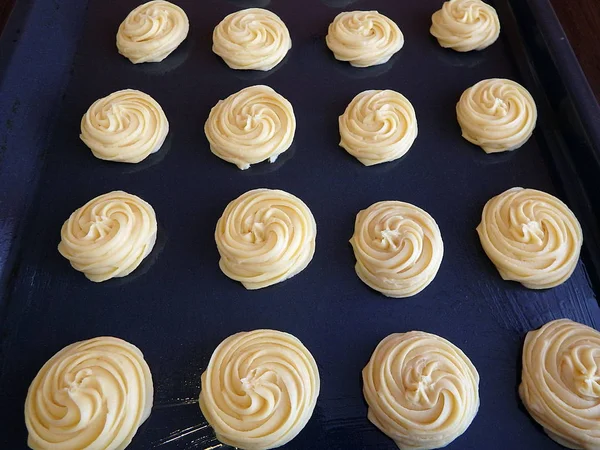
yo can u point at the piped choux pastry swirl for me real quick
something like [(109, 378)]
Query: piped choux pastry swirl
[(92, 394), (364, 38), (265, 236), (531, 237), (127, 126), (259, 389), (398, 248), (109, 236), (152, 31), (422, 390)]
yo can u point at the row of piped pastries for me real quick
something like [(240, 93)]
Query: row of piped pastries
[(266, 236), (258, 124), (257, 39), (260, 388)]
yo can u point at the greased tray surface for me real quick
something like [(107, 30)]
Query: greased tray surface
[(178, 305)]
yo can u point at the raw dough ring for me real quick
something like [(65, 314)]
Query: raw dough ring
[(91, 394), (496, 114), (109, 236), (465, 25), (531, 237), (251, 126), (398, 248), (378, 126), (422, 390), (152, 31), (364, 38), (126, 126), (259, 389), (264, 237), (252, 38), (560, 386)]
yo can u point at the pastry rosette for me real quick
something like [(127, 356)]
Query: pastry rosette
[(531, 237), (422, 391), (465, 25), (109, 236), (126, 126), (364, 38), (265, 236), (259, 389), (560, 384), (92, 394), (497, 115), (152, 31), (398, 248), (252, 38), (378, 126), (251, 126)]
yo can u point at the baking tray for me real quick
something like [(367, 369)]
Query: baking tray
[(58, 57)]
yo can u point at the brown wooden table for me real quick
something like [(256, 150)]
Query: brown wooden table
[(580, 19)]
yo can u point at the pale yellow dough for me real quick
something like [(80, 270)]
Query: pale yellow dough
[(531, 237), (264, 237), (152, 31), (465, 25), (497, 114), (378, 126), (251, 126), (109, 236), (364, 38), (422, 391), (252, 38), (259, 389), (126, 126), (91, 395), (560, 384), (398, 248)]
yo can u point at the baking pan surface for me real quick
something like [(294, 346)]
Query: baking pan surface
[(178, 306)]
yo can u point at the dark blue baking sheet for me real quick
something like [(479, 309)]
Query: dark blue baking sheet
[(58, 57)]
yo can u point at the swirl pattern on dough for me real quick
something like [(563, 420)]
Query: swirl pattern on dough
[(259, 389), (264, 237), (496, 114), (364, 38), (378, 126), (109, 236), (92, 394), (398, 248), (531, 237), (560, 384), (152, 31), (465, 25), (126, 126), (251, 126), (422, 390), (252, 39)]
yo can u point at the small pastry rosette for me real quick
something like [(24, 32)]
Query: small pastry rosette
[(126, 126), (531, 237), (152, 31), (422, 390), (560, 383), (364, 38), (109, 236), (497, 114), (259, 389), (265, 236), (92, 394), (398, 248), (465, 25), (251, 39)]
